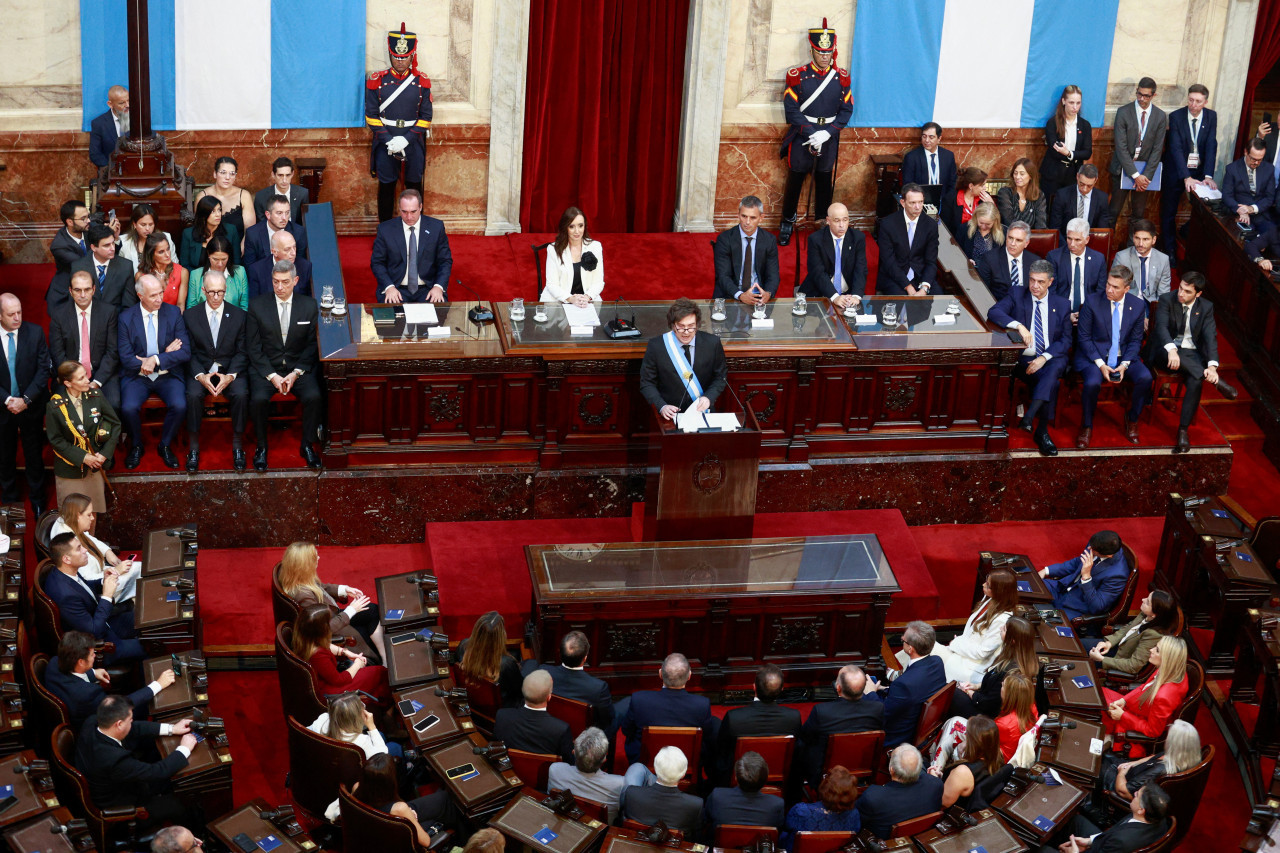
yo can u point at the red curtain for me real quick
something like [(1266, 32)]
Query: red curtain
[(1266, 52), (602, 113)]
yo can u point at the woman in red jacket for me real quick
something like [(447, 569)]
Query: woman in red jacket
[(1148, 709), (313, 642)]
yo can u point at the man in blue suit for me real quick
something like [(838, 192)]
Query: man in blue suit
[(1190, 150), (86, 605), (1109, 348), (1044, 323), (1078, 271), (153, 350), (107, 128), (572, 681), (258, 237), (909, 793), (1005, 268), (1249, 187), (72, 678), (1092, 583), (670, 706), (904, 697), (930, 164), (423, 277), (746, 258), (908, 244)]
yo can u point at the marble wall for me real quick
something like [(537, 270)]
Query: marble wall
[(40, 65)]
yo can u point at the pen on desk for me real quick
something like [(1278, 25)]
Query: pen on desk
[(705, 421)]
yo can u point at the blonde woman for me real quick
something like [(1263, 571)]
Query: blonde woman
[(1181, 752), (349, 721), (983, 233), (1146, 709), (300, 581)]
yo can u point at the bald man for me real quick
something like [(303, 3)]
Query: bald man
[(844, 283), (530, 727), (25, 379), (107, 128), (283, 248)]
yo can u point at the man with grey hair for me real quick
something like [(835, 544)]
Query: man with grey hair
[(25, 378), (849, 712), (174, 839), (923, 675), (530, 727), (670, 706), (908, 794), (283, 359), (283, 248), (1008, 268), (746, 258), (153, 347), (584, 777), (218, 363), (1079, 272), (662, 800)]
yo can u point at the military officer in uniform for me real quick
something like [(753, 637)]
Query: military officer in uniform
[(83, 430), (397, 108), (818, 105)]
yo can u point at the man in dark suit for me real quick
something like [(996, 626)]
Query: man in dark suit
[(930, 164), (908, 794), (282, 174), (153, 349), (844, 283), (24, 383), (1184, 339), (99, 351), (670, 706), (530, 728), (1139, 134), (257, 238), (1249, 187), (1109, 348), (571, 681), (849, 712), (1146, 823), (904, 697), (746, 258), (745, 804), (283, 248), (683, 365), (1081, 202), (112, 275), (1006, 268), (86, 605), (118, 779), (72, 678), (105, 130), (401, 275), (67, 246), (908, 245), (1090, 584), (1078, 271), (283, 359), (1190, 152), (659, 798), (1044, 323), (218, 359), (762, 718)]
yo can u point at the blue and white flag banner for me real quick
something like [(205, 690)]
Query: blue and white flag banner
[(978, 63), (297, 63)]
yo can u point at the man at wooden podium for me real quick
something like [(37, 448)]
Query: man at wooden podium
[(683, 365)]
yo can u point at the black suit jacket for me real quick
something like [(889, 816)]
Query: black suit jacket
[(734, 806), (1054, 168), (728, 258), (881, 806), (258, 246), (915, 169), (64, 339), (661, 385), (649, 804), (1128, 835), (839, 716), (533, 731), (1168, 328), (822, 263), (82, 697), (665, 707), (993, 269), (33, 371), (230, 352), (390, 258), (298, 196), (66, 251), (904, 698), (897, 256), (759, 719), (581, 687), (267, 353), (1063, 209), (102, 138), (260, 277), (117, 289), (117, 778)]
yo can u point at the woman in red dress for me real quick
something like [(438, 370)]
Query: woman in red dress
[(1147, 709), (313, 642)]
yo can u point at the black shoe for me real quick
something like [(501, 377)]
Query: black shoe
[(1183, 442), (38, 508), (310, 456), (167, 457), (1228, 391), (784, 233), (238, 459), (134, 459), (1025, 425), (1046, 445), (193, 461), (260, 460)]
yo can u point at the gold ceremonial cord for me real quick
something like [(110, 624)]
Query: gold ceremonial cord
[(82, 441)]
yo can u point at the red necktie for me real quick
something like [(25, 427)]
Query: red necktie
[(84, 344)]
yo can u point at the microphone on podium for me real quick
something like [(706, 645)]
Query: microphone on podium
[(478, 314), (619, 327)]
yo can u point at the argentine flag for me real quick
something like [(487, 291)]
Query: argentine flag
[(293, 63), (978, 63)]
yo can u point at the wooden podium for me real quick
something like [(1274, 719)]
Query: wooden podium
[(705, 485)]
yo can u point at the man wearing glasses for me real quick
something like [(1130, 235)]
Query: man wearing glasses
[(1139, 137), (683, 366), (218, 357)]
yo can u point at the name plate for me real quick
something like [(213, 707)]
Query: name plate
[(581, 330), (866, 319), (762, 323), (944, 319), (438, 331)]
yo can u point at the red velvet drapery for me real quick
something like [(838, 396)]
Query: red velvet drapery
[(1266, 52), (602, 112)]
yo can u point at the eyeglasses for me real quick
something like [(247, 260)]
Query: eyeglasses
[(196, 844), (208, 292), (225, 173), (687, 327)]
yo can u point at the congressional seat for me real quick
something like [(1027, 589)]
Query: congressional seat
[(777, 751), (861, 753), (540, 265), (688, 739), (1042, 242), (483, 697), (50, 711), (1168, 841), (318, 767), (821, 842), (1119, 612), (44, 530), (112, 829), (1185, 790), (735, 836), (283, 607), (1100, 240), (915, 826), (365, 828), (579, 715), (532, 767), (298, 695), (934, 713)]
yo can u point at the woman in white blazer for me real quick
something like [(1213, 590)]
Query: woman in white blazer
[(575, 263), (969, 654)]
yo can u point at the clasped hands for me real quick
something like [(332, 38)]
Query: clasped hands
[(214, 388), (754, 295), (151, 363), (284, 384), (358, 661)]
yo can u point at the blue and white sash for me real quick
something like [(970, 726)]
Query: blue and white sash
[(682, 366)]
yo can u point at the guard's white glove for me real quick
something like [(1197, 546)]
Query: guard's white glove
[(817, 138), (396, 144)]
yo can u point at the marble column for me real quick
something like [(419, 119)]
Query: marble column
[(1233, 68), (506, 109), (706, 53)]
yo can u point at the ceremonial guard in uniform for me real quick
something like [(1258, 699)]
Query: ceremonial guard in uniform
[(397, 108), (77, 432), (818, 105)]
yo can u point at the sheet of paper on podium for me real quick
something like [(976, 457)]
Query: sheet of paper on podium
[(423, 313), (581, 316), (691, 421)]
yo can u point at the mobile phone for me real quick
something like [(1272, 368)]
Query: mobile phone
[(406, 708), (426, 723), (402, 638), (460, 770), (244, 842), (111, 216), (8, 803)]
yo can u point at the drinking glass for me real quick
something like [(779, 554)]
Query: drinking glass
[(517, 308), (717, 309), (889, 315), (326, 297), (339, 305)]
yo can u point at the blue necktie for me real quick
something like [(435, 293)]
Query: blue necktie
[(1037, 327), (835, 278), (153, 348), (1015, 280), (13, 364), (1113, 354), (102, 276), (1077, 289)]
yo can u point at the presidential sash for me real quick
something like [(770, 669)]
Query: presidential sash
[(682, 366)]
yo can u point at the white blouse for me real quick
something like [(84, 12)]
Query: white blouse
[(92, 570), (559, 287)]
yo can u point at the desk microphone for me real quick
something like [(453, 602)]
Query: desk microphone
[(1058, 668), (183, 584), (620, 328), (71, 827), (1057, 725), (478, 314), (440, 642), (423, 578), (181, 532)]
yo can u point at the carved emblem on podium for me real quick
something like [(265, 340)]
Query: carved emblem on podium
[(595, 409), (632, 642), (770, 402), (709, 474), (899, 395), (794, 637), (445, 406)]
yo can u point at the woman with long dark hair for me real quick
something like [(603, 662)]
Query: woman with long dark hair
[(217, 256), (313, 642), (1128, 648), (483, 657), (575, 263), (968, 781), (1023, 200), (209, 221), (1017, 654), (157, 261), (378, 788), (972, 652), (142, 223)]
